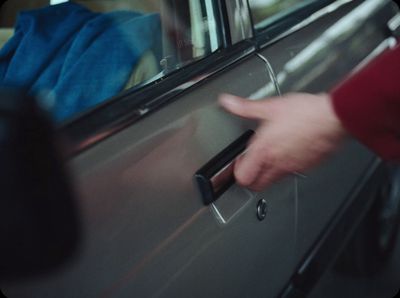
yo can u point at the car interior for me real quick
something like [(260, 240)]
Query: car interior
[(149, 40)]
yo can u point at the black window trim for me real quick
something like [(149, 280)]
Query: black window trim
[(95, 125), (89, 128)]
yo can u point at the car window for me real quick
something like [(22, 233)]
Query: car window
[(239, 21), (75, 55), (267, 13)]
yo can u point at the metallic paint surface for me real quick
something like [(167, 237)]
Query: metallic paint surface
[(146, 231)]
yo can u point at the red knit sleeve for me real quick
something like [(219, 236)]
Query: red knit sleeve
[(368, 104)]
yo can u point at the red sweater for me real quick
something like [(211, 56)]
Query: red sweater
[(368, 104)]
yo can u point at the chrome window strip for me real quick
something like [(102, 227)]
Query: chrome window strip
[(309, 20)]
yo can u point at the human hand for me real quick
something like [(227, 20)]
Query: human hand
[(295, 132)]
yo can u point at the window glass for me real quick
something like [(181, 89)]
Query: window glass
[(77, 54), (266, 12)]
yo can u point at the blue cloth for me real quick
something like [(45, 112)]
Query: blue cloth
[(79, 56)]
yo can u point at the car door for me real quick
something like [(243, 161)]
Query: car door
[(329, 41), (145, 230)]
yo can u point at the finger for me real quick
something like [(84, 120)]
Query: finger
[(248, 167), (244, 107), (266, 178)]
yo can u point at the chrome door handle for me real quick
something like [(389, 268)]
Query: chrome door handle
[(216, 176)]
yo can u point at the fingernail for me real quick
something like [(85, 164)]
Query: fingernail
[(228, 99)]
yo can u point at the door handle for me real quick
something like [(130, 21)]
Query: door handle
[(216, 176)]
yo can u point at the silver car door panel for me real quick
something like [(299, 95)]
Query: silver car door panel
[(145, 229)]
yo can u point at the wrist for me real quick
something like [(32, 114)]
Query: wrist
[(332, 119)]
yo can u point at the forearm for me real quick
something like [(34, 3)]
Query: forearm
[(368, 104)]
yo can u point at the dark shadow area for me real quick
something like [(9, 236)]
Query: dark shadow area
[(38, 218)]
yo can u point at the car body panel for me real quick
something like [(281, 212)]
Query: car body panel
[(145, 230)]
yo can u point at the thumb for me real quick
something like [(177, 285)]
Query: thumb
[(244, 107)]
